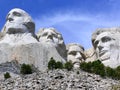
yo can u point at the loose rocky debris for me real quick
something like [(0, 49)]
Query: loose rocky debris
[(58, 80)]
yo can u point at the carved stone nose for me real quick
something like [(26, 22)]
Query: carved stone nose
[(49, 36), (10, 19), (100, 47), (78, 55)]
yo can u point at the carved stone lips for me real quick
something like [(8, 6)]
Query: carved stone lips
[(102, 52)]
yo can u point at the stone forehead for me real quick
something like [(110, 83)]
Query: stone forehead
[(48, 29), (104, 34), (74, 44), (28, 18), (103, 30), (18, 10)]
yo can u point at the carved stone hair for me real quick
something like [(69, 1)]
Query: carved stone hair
[(75, 44)]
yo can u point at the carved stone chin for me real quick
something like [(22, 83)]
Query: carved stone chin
[(75, 54)]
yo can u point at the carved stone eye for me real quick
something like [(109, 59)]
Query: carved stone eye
[(72, 53), (44, 34), (106, 39), (16, 14)]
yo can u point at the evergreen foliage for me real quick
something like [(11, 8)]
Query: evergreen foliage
[(93, 67), (26, 69), (68, 66), (7, 75), (59, 65), (51, 64), (110, 72), (98, 68)]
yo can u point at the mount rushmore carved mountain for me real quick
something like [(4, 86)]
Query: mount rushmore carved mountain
[(18, 42)]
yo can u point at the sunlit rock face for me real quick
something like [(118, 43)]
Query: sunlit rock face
[(107, 46), (52, 38), (75, 54), (18, 21), (19, 27), (18, 42), (90, 55)]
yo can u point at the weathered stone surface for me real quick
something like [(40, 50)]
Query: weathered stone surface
[(57, 80), (107, 46), (19, 42), (90, 55), (18, 21), (37, 54), (51, 36), (75, 54)]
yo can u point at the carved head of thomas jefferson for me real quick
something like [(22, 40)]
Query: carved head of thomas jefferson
[(51, 36)]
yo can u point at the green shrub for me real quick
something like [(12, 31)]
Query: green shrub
[(117, 73), (98, 68), (110, 72), (26, 69), (83, 66), (7, 75), (51, 64), (68, 66), (93, 67), (59, 65), (86, 66)]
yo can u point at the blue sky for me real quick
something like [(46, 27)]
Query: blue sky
[(74, 19)]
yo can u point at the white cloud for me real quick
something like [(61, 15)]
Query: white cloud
[(77, 27)]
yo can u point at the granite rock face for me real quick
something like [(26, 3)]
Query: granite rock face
[(106, 43), (52, 37), (18, 21), (90, 55), (75, 54), (18, 42)]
